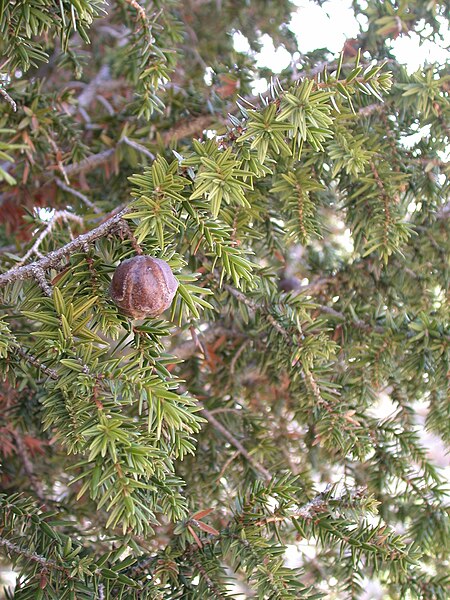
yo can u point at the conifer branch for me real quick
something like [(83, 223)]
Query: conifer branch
[(139, 147), (58, 215), (308, 511), (314, 507), (8, 99), (54, 258), (33, 556), (90, 90), (95, 160), (78, 194), (187, 128), (209, 582), (28, 466), (138, 8), (366, 111), (185, 350), (90, 162), (208, 415), (386, 200), (256, 307), (236, 443), (307, 375), (36, 363)]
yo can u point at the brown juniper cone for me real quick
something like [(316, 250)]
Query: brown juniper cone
[(143, 286)]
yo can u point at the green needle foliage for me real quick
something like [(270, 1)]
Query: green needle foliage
[(280, 405)]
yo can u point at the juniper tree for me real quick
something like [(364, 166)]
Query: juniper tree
[(179, 455)]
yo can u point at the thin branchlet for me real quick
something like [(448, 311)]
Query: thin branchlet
[(53, 259), (47, 563)]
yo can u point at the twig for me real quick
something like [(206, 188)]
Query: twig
[(236, 443), (45, 562), (255, 306), (314, 386), (139, 147), (88, 94), (187, 349), (384, 195), (138, 8), (78, 194), (28, 466), (109, 108), (90, 162), (317, 505), (8, 99), (58, 159), (237, 355), (308, 377), (39, 275), (227, 464), (307, 511), (358, 323), (94, 160), (37, 363), (126, 229), (10, 248), (188, 128), (366, 111), (52, 259), (209, 582), (57, 215)]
